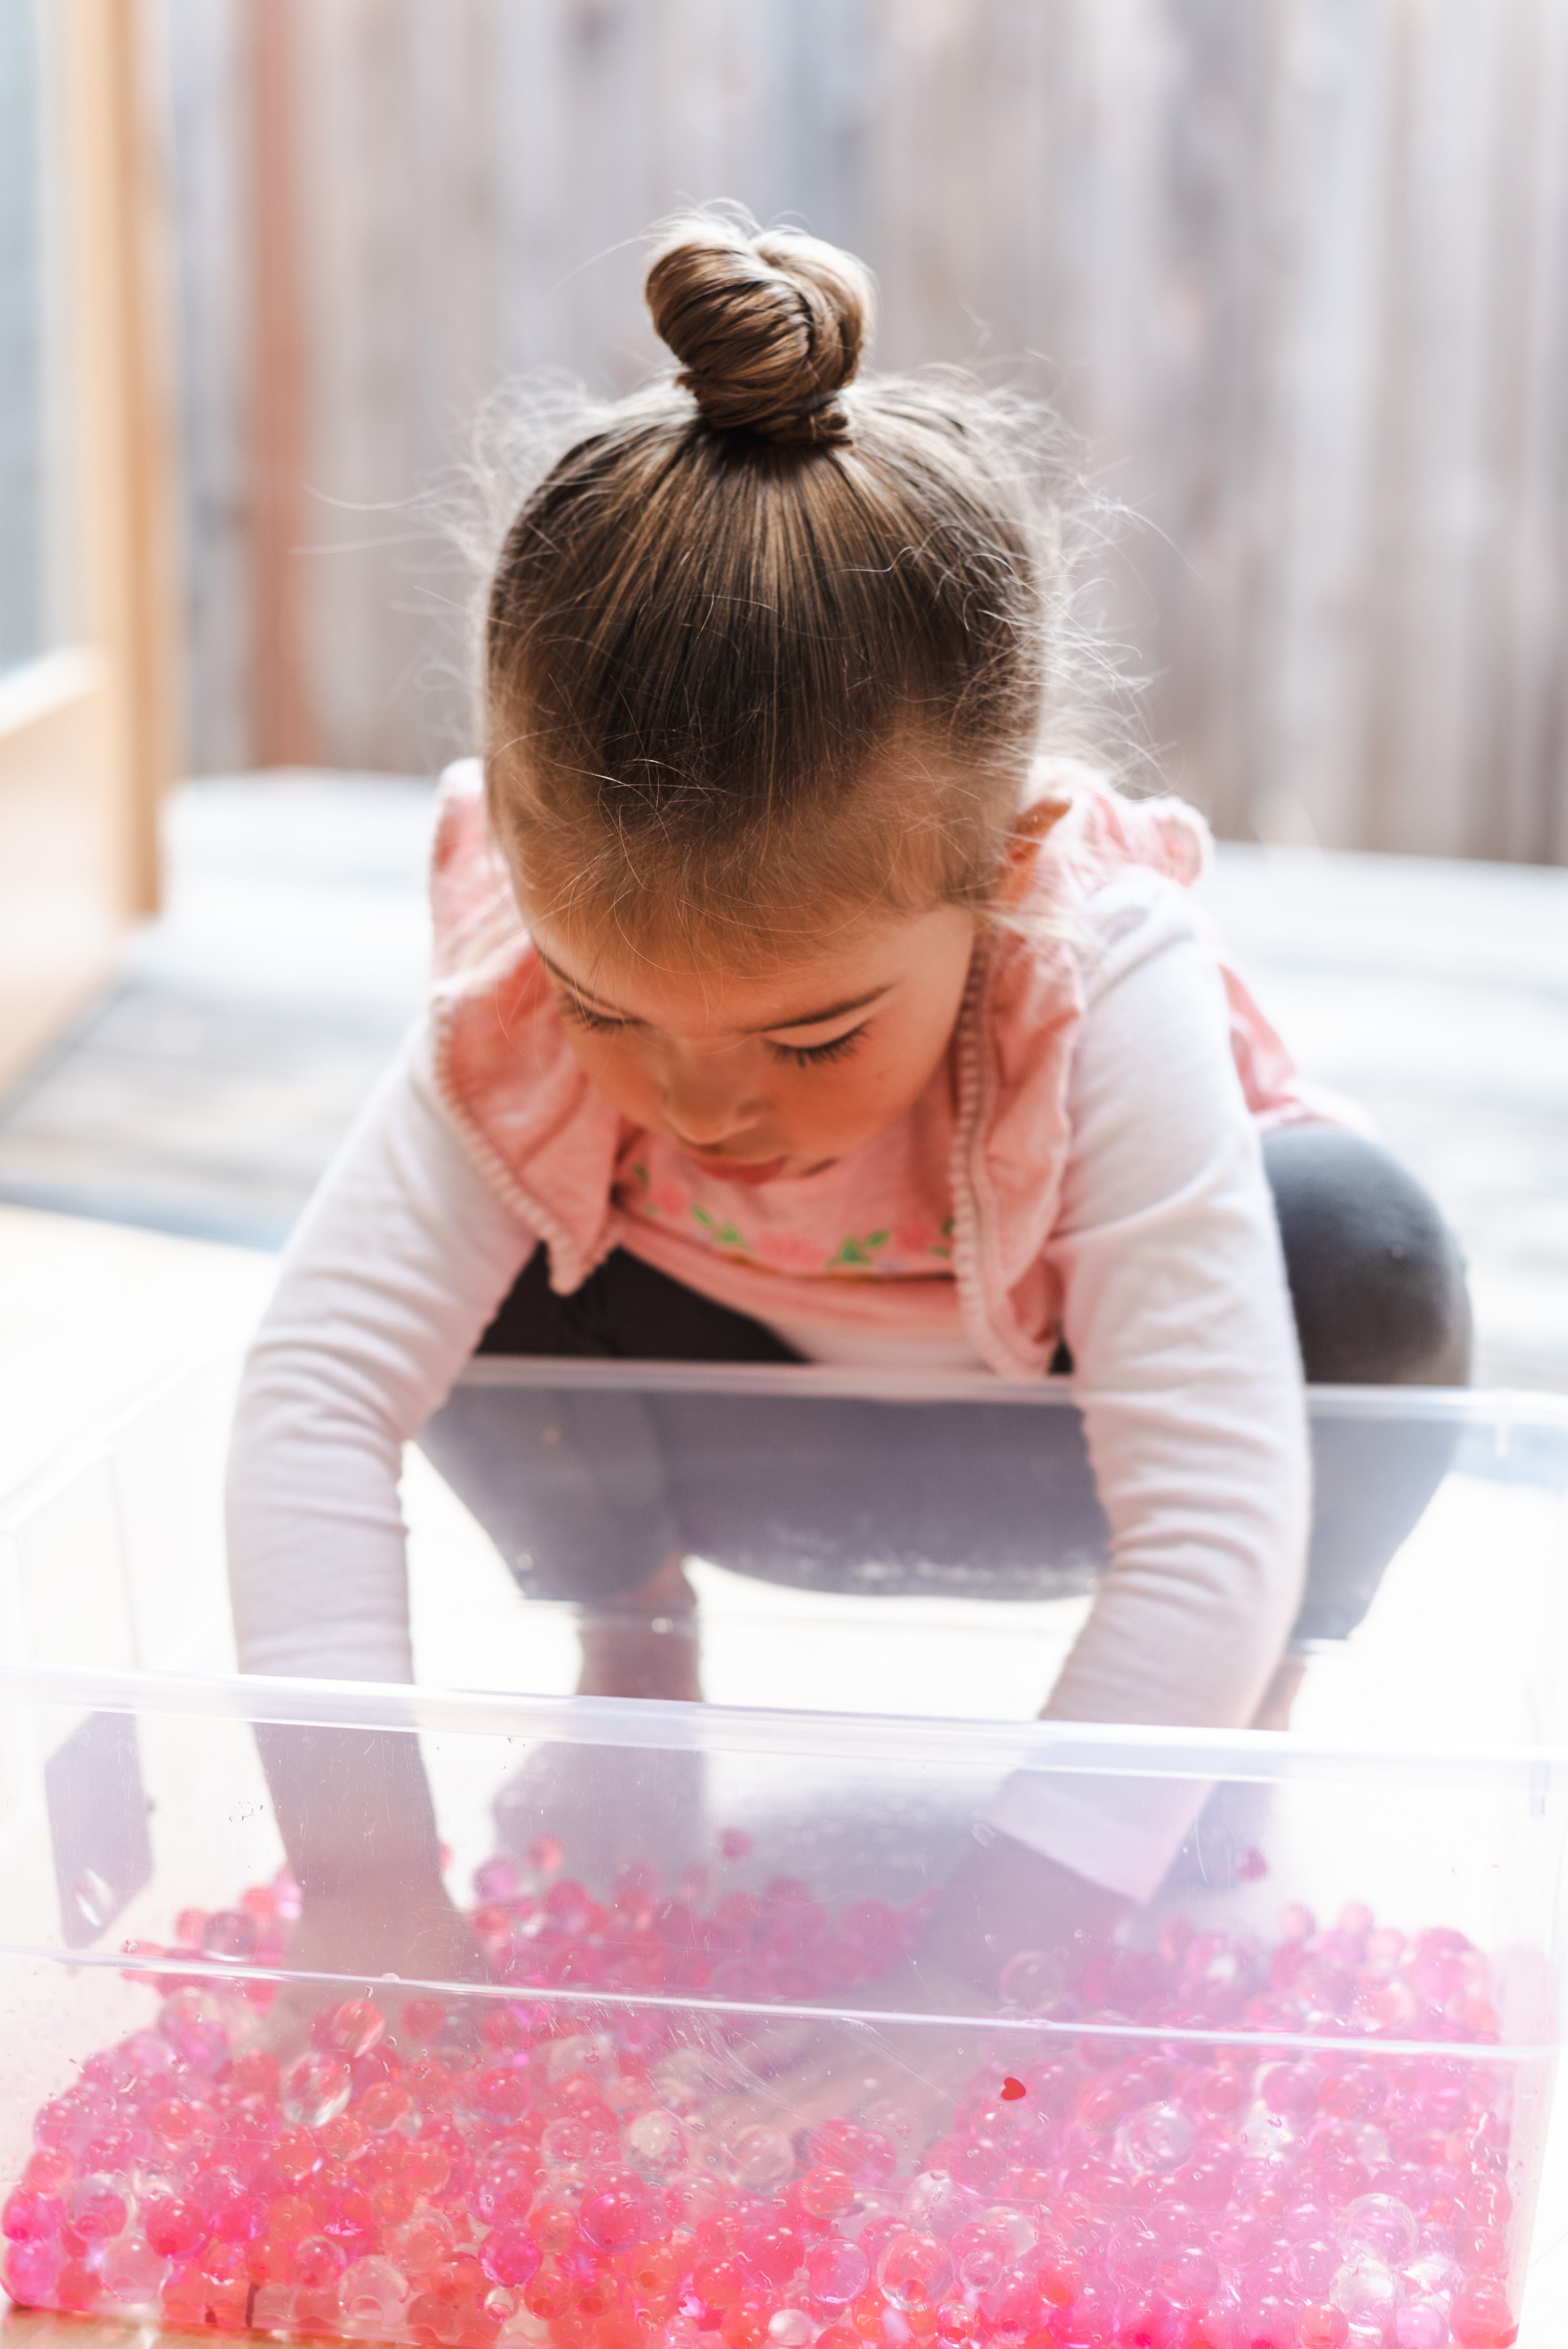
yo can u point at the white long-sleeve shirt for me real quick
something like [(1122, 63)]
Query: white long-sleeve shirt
[(1176, 1311)]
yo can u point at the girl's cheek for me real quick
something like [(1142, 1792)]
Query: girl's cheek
[(842, 1095), (633, 1083), (616, 1071)]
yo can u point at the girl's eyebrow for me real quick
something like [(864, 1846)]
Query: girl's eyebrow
[(768, 1027)]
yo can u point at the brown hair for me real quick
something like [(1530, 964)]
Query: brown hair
[(767, 642)]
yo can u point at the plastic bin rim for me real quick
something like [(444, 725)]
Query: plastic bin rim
[(1048, 2031), (1101, 1749), (1502, 1407)]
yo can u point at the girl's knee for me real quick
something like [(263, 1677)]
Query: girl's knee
[(1376, 1276)]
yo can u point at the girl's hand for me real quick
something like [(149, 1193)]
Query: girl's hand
[(373, 1940), (1006, 1901), (386, 1935), (903, 2078), (609, 1806), (358, 1824)]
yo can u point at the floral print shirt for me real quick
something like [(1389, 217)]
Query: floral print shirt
[(885, 1213)]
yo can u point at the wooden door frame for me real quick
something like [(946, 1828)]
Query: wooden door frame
[(89, 734)]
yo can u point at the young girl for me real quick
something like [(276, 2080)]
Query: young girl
[(797, 998)]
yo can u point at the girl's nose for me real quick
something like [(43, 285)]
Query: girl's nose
[(705, 1115)]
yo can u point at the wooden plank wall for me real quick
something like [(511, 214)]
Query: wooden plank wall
[(1299, 269)]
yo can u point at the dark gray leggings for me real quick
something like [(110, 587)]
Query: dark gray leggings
[(585, 1494)]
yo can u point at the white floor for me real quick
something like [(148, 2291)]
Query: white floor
[(94, 1314)]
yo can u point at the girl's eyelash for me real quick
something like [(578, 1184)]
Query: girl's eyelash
[(811, 1056), (584, 1017), (802, 1056)]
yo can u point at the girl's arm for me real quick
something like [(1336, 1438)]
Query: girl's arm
[(396, 1268), (1177, 1315), (389, 1280)]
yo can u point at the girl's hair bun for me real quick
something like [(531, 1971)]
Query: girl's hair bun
[(768, 329)]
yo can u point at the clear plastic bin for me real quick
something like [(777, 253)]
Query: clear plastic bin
[(1033, 2171), (1233, 2115)]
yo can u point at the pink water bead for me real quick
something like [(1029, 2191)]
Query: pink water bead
[(232, 2213), (487, 2158), (772, 2250), (231, 1934), (914, 2272), (1013, 2308), (48, 2172), (76, 2288), (352, 2029), (31, 2217), (497, 1880), (174, 2226), (1322, 2326), (612, 2214), (30, 2271), (1481, 2319), (510, 2256), (1292, 2090), (1422, 2324), (1188, 2276)]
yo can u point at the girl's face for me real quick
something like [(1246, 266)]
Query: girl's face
[(766, 1078)]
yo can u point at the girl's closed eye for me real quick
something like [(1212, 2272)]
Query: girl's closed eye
[(799, 1056), (571, 1008), (810, 1056)]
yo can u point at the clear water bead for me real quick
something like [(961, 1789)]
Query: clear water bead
[(656, 2138), (369, 2295), (758, 2157), (1365, 2289), (132, 2273), (316, 2088), (683, 2078), (1383, 2225), (590, 2051), (1158, 2136)]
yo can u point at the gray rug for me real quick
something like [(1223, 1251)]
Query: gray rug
[(205, 1091), (190, 1114)]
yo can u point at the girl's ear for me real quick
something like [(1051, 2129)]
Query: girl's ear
[(1029, 828)]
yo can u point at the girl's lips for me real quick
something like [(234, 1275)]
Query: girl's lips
[(738, 1171)]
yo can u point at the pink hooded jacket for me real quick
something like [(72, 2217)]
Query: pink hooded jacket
[(586, 1182)]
